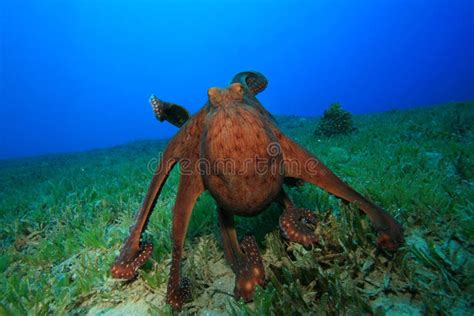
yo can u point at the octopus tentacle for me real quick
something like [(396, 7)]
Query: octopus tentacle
[(312, 170), (251, 272), (128, 269), (232, 251), (190, 187), (159, 107), (293, 225), (171, 112), (134, 253), (293, 222), (254, 81), (244, 258)]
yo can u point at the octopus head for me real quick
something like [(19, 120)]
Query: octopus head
[(232, 95)]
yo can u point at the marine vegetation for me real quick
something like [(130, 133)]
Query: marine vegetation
[(63, 217), (335, 121)]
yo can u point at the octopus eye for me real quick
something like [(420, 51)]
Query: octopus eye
[(236, 88), (212, 92)]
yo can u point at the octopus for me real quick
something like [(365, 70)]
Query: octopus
[(233, 148)]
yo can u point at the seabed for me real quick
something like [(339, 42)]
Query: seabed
[(63, 219)]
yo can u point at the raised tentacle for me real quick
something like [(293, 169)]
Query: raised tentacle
[(254, 81), (244, 259), (171, 112), (301, 164)]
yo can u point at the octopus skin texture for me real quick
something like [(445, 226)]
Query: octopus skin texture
[(234, 128)]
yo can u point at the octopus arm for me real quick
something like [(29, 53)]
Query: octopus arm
[(300, 164), (134, 252)]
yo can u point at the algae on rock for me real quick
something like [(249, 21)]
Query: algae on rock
[(335, 121)]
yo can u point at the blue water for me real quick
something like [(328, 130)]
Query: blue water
[(77, 74)]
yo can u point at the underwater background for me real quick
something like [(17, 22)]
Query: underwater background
[(78, 138), (77, 74)]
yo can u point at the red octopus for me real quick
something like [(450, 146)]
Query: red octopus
[(233, 148)]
